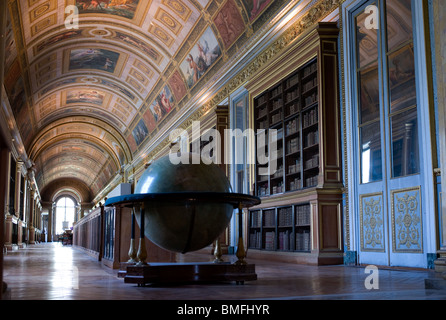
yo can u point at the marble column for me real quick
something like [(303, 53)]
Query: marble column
[(50, 223), (18, 180), (439, 25), (6, 158), (31, 218)]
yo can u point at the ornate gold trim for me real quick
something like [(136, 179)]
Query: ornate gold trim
[(408, 220), (374, 222)]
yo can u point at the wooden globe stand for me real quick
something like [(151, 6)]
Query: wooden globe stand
[(139, 272)]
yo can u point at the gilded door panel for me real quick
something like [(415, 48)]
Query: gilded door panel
[(372, 223), (407, 221)]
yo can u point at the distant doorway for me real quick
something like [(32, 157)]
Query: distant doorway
[(65, 213)]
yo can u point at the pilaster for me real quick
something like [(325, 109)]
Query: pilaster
[(31, 218), (439, 23), (18, 179), (8, 231)]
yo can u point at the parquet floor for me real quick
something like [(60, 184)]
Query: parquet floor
[(50, 271)]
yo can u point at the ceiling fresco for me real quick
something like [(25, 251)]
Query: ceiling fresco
[(87, 94)]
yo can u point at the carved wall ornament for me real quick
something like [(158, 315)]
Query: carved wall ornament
[(407, 227), (372, 223)]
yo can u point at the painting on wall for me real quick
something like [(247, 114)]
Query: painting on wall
[(140, 132), (118, 88), (98, 59), (86, 96), (178, 87), (122, 8), (70, 34), (139, 44), (162, 105), (255, 7), (202, 56), (229, 23)]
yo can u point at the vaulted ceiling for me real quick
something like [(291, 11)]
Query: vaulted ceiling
[(90, 82)]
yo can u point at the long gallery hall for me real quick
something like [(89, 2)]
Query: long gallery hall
[(195, 150)]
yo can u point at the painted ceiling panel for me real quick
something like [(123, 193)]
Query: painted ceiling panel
[(88, 93)]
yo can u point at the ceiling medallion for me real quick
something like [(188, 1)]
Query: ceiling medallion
[(100, 32)]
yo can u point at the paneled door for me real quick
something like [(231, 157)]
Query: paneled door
[(387, 135)]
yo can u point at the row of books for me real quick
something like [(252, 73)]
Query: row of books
[(261, 100), (303, 242), (310, 118), (312, 162), (311, 99), (279, 172), (263, 190), (292, 81), (263, 112), (293, 108), (256, 221), (310, 84), (292, 126), (276, 91), (276, 117), (270, 240), (269, 218), (285, 216), (310, 69), (303, 215), (311, 138), (285, 239), (311, 181), (295, 167), (293, 145), (292, 95), (278, 188), (263, 124), (255, 239), (295, 184)]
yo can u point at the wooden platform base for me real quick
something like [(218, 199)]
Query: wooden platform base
[(165, 273)]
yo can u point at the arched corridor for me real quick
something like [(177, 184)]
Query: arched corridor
[(330, 113)]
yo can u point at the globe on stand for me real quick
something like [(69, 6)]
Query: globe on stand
[(184, 225)]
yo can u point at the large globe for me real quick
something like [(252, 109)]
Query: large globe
[(182, 226)]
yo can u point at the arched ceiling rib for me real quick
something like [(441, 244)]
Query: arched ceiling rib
[(87, 98)]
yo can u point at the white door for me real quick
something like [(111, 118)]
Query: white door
[(387, 136)]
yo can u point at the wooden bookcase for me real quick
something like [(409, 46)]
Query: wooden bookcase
[(300, 218), (282, 228), (291, 108)]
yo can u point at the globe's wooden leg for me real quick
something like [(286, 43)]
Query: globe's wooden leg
[(132, 250), (142, 252), (240, 254), (217, 252)]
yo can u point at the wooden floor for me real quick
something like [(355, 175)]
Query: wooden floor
[(50, 271)]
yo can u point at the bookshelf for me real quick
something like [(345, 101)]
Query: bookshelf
[(291, 108), (297, 95), (281, 229)]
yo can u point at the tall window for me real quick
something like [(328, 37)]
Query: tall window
[(385, 70), (65, 210), (240, 146)]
